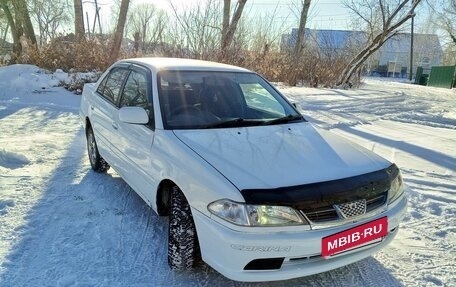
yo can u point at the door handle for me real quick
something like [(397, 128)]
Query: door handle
[(114, 125)]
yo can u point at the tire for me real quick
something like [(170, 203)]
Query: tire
[(97, 163), (183, 247)]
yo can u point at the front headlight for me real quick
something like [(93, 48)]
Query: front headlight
[(396, 189), (255, 215)]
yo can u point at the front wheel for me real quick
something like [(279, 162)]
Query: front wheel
[(183, 246), (97, 163)]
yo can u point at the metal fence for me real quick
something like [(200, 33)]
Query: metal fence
[(442, 77), (422, 76)]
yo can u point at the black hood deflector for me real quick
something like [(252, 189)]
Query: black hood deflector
[(321, 194)]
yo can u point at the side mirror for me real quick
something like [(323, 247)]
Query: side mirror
[(133, 115)]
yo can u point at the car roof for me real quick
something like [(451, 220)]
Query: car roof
[(157, 63)]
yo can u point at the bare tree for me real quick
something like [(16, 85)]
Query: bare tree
[(15, 31), (302, 26), (196, 33), (229, 26), (256, 43), (449, 20), (4, 26), (299, 45), (445, 17), (384, 19), (263, 32), (49, 15), (19, 22), (79, 30), (118, 35), (147, 22), (22, 15)]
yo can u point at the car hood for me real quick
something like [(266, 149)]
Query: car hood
[(280, 155)]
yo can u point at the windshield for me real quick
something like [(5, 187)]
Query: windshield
[(206, 99)]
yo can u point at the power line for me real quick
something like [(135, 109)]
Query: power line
[(93, 2), (286, 4)]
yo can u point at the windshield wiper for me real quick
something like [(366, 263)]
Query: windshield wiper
[(283, 120), (236, 122)]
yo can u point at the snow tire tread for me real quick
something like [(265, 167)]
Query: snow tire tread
[(183, 246), (98, 164)]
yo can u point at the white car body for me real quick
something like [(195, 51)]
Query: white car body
[(225, 163)]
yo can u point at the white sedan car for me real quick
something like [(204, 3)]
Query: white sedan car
[(250, 187)]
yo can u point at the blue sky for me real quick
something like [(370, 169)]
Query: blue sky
[(324, 14)]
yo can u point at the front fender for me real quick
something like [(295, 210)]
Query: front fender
[(200, 182)]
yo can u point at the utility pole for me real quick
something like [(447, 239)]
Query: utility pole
[(88, 25), (411, 45), (97, 17)]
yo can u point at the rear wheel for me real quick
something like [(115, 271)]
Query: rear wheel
[(183, 246), (96, 161)]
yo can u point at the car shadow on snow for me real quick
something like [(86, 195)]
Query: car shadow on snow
[(435, 157), (368, 272), (91, 229), (6, 110)]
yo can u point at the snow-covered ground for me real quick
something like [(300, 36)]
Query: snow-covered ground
[(63, 225)]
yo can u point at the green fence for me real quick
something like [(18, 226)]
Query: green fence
[(442, 77), (422, 76)]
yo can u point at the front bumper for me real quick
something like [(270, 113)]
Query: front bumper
[(229, 251)]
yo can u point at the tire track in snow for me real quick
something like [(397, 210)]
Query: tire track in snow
[(143, 236), (126, 201)]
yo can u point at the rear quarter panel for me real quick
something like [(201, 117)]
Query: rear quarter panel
[(87, 92)]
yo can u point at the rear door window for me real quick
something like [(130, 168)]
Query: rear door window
[(113, 84), (135, 91)]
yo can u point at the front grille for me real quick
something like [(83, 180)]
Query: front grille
[(350, 209), (322, 215), (307, 258), (329, 213), (376, 202)]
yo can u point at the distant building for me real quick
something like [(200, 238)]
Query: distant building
[(329, 41), (391, 59), (427, 51)]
